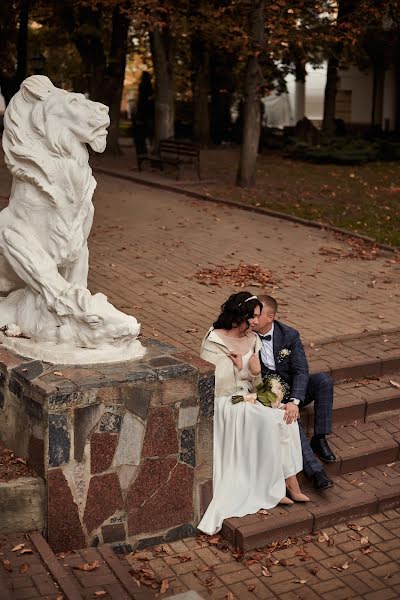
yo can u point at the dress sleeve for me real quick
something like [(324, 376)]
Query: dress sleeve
[(226, 375)]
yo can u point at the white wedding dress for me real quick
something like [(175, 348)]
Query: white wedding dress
[(254, 451)]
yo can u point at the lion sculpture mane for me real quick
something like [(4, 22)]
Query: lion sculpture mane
[(46, 310)]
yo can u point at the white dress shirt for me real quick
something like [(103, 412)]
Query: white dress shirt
[(267, 349)]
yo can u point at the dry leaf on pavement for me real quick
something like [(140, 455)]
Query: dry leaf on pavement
[(164, 586), (303, 581), (7, 565), (24, 568), (184, 557), (394, 383), (354, 526), (88, 566), (18, 547), (342, 567), (265, 572), (229, 596), (323, 537), (100, 593), (214, 540), (141, 555)]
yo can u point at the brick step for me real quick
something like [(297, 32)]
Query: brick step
[(364, 445), (361, 400), (352, 358), (374, 489)]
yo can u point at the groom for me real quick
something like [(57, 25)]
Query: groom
[(282, 352)]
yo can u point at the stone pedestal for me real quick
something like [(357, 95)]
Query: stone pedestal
[(125, 449)]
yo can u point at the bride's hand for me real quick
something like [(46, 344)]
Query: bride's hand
[(236, 359), (254, 365)]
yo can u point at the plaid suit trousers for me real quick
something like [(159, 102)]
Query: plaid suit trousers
[(319, 391)]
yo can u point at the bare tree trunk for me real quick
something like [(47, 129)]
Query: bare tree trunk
[(105, 71), (201, 89), (162, 50), (397, 91), (300, 94), (345, 9), (115, 75), (378, 88), (328, 125), (246, 175)]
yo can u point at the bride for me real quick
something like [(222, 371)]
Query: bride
[(256, 452)]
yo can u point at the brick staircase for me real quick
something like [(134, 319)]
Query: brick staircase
[(365, 439)]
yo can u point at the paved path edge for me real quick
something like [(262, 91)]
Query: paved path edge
[(241, 205), (63, 580)]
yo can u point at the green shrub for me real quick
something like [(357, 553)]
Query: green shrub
[(345, 151)]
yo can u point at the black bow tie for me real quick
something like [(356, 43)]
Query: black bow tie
[(266, 337)]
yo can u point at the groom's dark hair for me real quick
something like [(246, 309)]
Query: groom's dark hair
[(269, 301)]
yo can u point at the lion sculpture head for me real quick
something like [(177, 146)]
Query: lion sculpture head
[(44, 123)]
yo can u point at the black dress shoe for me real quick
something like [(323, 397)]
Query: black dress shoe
[(320, 447), (321, 481)]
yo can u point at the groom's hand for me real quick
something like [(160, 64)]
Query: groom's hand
[(291, 413)]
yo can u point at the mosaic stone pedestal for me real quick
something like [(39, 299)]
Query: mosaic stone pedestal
[(125, 449)]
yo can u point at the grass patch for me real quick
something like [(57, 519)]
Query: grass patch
[(361, 198)]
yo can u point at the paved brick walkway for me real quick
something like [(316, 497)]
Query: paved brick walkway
[(360, 562), (147, 244)]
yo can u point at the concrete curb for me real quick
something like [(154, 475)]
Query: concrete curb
[(241, 205)]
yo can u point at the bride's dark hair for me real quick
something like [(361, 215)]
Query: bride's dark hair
[(239, 308)]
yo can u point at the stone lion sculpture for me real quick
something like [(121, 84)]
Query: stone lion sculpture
[(46, 310)]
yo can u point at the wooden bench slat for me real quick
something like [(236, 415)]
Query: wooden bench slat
[(174, 152)]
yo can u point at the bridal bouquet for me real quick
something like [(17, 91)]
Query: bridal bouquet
[(271, 392)]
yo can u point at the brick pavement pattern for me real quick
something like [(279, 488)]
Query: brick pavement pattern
[(357, 561), (147, 244)]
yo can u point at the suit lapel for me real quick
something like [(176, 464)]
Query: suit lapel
[(277, 341)]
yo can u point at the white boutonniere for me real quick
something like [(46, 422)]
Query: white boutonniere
[(284, 353)]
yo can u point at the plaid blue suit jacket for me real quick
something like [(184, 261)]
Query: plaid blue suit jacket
[(294, 368)]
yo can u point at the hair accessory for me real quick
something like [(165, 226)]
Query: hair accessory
[(247, 299)]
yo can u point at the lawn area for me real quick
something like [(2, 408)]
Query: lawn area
[(361, 198)]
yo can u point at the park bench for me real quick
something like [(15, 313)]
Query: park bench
[(175, 153)]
